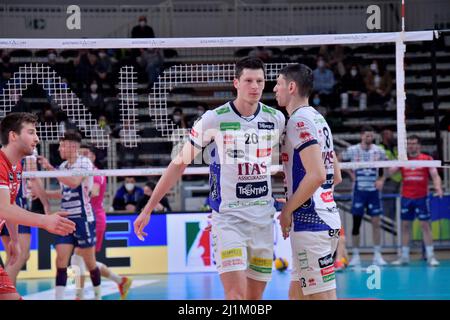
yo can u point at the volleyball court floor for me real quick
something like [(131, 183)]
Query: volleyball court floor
[(416, 281)]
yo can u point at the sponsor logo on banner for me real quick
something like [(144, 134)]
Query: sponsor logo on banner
[(327, 196), (252, 190), (198, 245), (325, 261), (261, 153), (266, 125), (194, 133), (235, 153), (224, 126)]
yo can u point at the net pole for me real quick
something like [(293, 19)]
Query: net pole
[(400, 49)]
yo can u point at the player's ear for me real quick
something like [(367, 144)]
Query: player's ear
[(292, 86), (235, 83)]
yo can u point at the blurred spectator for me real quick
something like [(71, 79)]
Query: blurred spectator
[(6, 70), (162, 206), (353, 90), (324, 82), (262, 53), (128, 195), (335, 56), (179, 118), (378, 83), (142, 30), (201, 109), (152, 61), (103, 124), (93, 100), (48, 115)]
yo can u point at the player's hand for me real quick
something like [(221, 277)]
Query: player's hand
[(44, 163), (281, 200), (209, 226), (285, 219), (379, 184), (13, 252), (57, 223), (440, 193), (139, 224)]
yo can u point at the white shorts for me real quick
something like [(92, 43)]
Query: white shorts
[(243, 246), (312, 260)]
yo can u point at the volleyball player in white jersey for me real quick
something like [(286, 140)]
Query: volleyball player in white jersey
[(74, 195), (310, 216), (243, 134)]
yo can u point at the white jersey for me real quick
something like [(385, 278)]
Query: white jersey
[(77, 201), (306, 127), (241, 154), (365, 177)]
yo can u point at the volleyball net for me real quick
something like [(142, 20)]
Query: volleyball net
[(126, 96)]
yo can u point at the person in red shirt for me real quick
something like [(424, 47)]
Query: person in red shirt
[(414, 202), (18, 138)]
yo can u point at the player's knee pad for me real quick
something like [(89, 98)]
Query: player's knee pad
[(356, 225), (78, 261)]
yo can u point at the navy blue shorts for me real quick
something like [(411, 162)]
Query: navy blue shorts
[(21, 229), (415, 208), (82, 237), (369, 200)]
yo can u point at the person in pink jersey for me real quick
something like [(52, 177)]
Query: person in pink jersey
[(97, 195), (414, 201)]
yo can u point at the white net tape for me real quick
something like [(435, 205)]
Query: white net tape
[(205, 170)]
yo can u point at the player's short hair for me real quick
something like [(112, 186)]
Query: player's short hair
[(414, 137), (71, 135), (14, 122), (88, 146), (302, 75), (367, 129), (248, 63)]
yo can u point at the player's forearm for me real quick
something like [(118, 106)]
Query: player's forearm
[(16, 215), (170, 176), (437, 183), (71, 182), (310, 183), (53, 194)]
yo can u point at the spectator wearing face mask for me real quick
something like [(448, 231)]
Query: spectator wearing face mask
[(200, 110), (93, 100), (128, 195), (142, 30), (378, 83), (353, 89), (178, 118), (324, 82)]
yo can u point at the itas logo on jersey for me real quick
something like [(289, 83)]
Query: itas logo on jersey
[(326, 261), (300, 125), (252, 171), (252, 190), (198, 245), (266, 125)]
